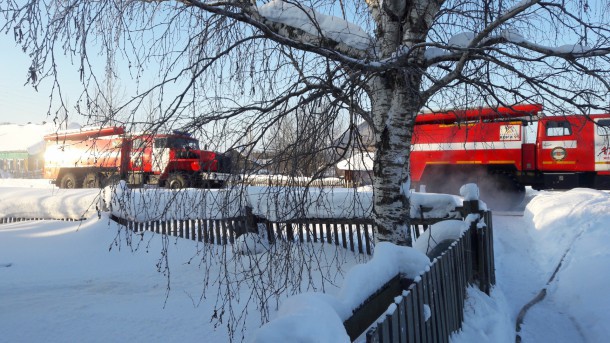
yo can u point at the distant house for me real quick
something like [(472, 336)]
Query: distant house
[(22, 149), (358, 168), (358, 149)]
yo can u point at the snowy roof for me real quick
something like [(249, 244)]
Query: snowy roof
[(359, 161), (15, 137), (28, 137)]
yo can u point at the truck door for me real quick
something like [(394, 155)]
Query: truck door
[(140, 155), (602, 144), (160, 155), (559, 141)]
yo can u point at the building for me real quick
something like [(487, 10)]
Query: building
[(357, 148), (22, 149)]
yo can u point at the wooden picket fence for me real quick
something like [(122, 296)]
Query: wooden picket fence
[(9, 220), (355, 234), (431, 308), (426, 310)]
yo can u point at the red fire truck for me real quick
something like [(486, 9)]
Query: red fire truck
[(96, 157), (489, 146)]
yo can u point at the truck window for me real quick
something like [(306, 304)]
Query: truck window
[(177, 143), (558, 128), (139, 143), (603, 127), (160, 143)]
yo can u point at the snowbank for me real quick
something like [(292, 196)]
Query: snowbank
[(49, 203), (316, 317), (144, 204), (575, 224)]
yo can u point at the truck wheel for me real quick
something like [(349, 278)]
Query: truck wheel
[(177, 181), (92, 180), (68, 181)]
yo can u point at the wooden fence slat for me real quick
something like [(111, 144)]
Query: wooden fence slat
[(394, 319), (208, 233), (218, 229), (431, 326), (336, 233), (351, 237), (300, 232), (453, 290), (289, 232), (411, 328), (460, 270), (359, 238), (229, 230), (418, 313), (385, 330), (402, 318), (442, 303), (367, 238), (343, 236)]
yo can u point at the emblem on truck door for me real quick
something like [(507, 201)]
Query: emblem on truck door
[(558, 153)]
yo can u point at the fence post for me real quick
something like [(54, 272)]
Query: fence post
[(482, 246)]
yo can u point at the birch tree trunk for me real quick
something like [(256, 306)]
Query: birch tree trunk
[(394, 109), (396, 100)]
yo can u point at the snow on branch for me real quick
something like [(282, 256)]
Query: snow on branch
[(458, 44), (316, 23)]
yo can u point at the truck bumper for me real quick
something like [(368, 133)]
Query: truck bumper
[(219, 177)]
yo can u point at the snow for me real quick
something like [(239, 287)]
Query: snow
[(470, 191), (513, 36), (316, 23), (309, 317), (81, 281), (434, 52), (461, 40), (27, 137), (389, 260), (439, 232), (360, 161), (250, 243)]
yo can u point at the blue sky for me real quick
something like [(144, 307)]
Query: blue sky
[(20, 103)]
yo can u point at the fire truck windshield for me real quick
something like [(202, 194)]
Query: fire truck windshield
[(177, 143)]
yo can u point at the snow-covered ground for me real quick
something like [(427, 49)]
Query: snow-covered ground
[(82, 281)]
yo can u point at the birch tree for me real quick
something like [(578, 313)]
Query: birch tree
[(221, 63)]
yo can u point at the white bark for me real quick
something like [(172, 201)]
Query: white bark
[(396, 100)]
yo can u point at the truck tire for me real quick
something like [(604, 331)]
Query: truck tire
[(92, 180), (68, 181), (177, 181)]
